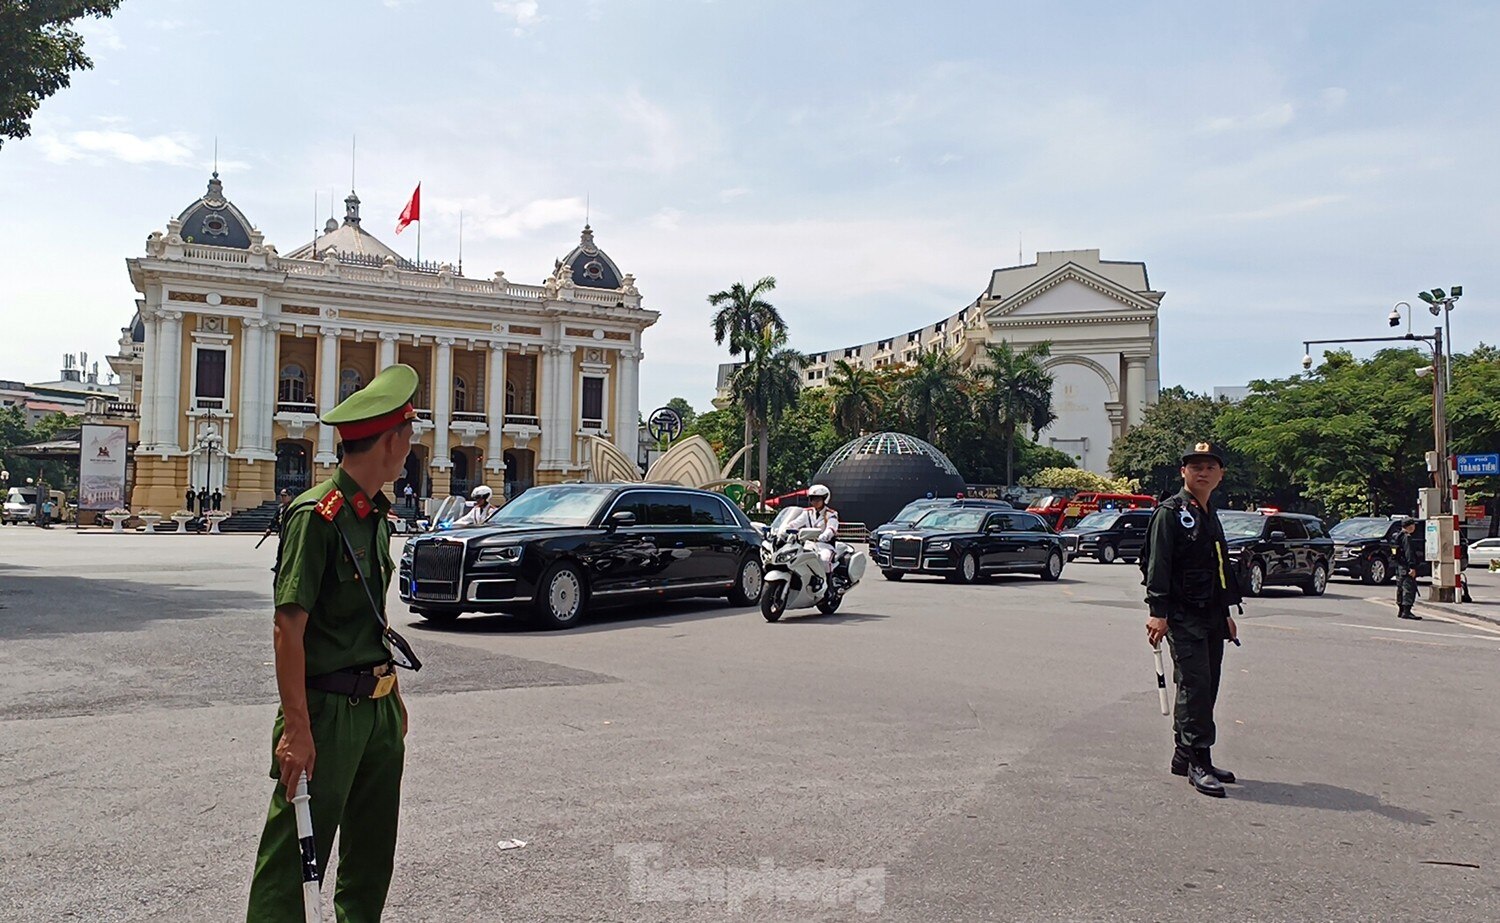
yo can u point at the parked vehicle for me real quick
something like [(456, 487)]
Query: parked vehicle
[(916, 509), (1277, 549), (1108, 535), (1485, 552), (964, 543), (560, 551), (1062, 512), (20, 505), (795, 576)]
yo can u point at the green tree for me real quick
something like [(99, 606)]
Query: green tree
[(1017, 393), (856, 398), (740, 316), (1078, 479), (1151, 452), (802, 441), (767, 385), (684, 410), (931, 391), (41, 52)]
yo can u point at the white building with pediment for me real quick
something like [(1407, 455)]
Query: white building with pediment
[(1100, 316)]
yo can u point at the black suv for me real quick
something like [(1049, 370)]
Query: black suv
[(964, 543), (1108, 535), (1364, 547), (563, 549), (1278, 549)]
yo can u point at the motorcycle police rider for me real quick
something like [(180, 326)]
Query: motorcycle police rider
[(818, 516), (482, 511)]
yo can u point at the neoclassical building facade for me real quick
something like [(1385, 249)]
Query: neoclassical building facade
[(235, 351), (1100, 317)]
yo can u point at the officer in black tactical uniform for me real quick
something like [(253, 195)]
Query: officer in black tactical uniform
[(1190, 586), (1409, 553)]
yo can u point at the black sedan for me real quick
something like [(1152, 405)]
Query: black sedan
[(915, 510), (1278, 549), (561, 550), (1108, 535), (966, 543)]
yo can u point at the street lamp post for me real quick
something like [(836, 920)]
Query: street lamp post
[(1441, 303)]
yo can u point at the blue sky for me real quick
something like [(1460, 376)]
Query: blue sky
[(1285, 170)]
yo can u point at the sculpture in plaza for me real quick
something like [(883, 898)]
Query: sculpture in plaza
[(690, 463)]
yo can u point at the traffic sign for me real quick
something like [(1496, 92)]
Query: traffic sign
[(1474, 466), (666, 423)]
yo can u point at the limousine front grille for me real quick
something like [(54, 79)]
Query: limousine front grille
[(437, 571), (906, 552)]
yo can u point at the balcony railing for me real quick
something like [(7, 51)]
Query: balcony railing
[(469, 416), (296, 407), (593, 424), (121, 409), (522, 419)]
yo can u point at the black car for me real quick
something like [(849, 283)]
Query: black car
[(1108, 535), (1364, 547), (561, 550), (1278, 549), (964, 543), (916, 509)]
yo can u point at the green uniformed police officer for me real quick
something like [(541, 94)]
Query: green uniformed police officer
[(1190, 586), (341, 720)]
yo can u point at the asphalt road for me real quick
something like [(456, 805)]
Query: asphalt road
[(930, 753)]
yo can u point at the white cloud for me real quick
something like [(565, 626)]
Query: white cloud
[(1271, 118), (1292, 207), (116, 145), (732, 193), (526, 13), (1333, 98), (100, 33), (519, 221)]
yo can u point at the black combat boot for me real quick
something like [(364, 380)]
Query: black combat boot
[(1204, 781), (1408, 614), (1182, 757)]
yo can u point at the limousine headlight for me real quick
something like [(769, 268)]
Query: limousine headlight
[(940, 544), (501, 554), (885, 541)]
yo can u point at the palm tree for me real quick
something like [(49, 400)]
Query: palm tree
[(1017, 391), (856, 398), (931, 389), (741, 314), (767, 386)]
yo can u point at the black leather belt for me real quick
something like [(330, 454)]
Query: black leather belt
[(372, 682)]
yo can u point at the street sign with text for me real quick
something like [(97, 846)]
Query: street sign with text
[(1474, 466)]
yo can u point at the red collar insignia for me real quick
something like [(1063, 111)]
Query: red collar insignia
[(329, 506), (362, 505)]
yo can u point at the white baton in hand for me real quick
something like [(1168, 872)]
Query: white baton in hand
[(312, 900), (1161, 680)]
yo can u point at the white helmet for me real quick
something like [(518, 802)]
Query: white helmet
[(480, 493), (818, 492)]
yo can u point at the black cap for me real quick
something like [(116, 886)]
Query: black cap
[(1407, 521), (1203, 450)]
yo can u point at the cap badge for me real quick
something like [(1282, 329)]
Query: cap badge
[(1202, 447)]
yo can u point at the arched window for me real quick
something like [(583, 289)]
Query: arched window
[(350, 381), (293, 386), (510, 398), (460, 395)]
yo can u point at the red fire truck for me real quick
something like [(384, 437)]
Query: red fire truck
[(1062, 511)]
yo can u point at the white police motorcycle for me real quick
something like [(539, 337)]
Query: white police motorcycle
[(793, 575)]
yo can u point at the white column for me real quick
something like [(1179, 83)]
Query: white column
[(387, 357), (252, 391), (442, 402), (547, 407), (169, 383), (271, 379), (1135, 390), (494, 408), (566, 406), (627, 403), (147, 409), (328, 393)]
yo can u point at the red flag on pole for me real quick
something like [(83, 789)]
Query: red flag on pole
[(413, 210)]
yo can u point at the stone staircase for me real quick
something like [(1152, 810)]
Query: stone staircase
[(257, 518)]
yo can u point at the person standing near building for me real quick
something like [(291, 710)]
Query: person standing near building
[(187, 499), (1189, 589), (341, 721), (203, 501), (1409, 554), (217, 498), (410, 495)]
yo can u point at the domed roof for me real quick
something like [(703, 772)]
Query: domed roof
[(889, 444), (590, 266), (214, 220), (873, 476), (349, 240)]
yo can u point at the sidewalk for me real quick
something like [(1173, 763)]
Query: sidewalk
[(1483, 609)]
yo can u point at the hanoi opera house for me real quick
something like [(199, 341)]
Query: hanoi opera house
[(1100, 317), (236, 350)]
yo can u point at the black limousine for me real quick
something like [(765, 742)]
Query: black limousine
[(965, 543), (559, 551)]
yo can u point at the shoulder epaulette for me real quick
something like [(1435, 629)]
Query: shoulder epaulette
[(330, 505)]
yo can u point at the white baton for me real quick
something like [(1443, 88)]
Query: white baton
[(312, 899), (1161, 680)]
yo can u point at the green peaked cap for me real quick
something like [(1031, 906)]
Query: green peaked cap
[(387, 393)]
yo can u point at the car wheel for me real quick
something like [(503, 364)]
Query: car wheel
[(968, 569), (1319, 581), (1054, 567), (892, 574), (1257, 579), (747, 584), (773, 599), (437, 616), (560, 596), (1376, 571), (828, 605), (1108, 554)]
